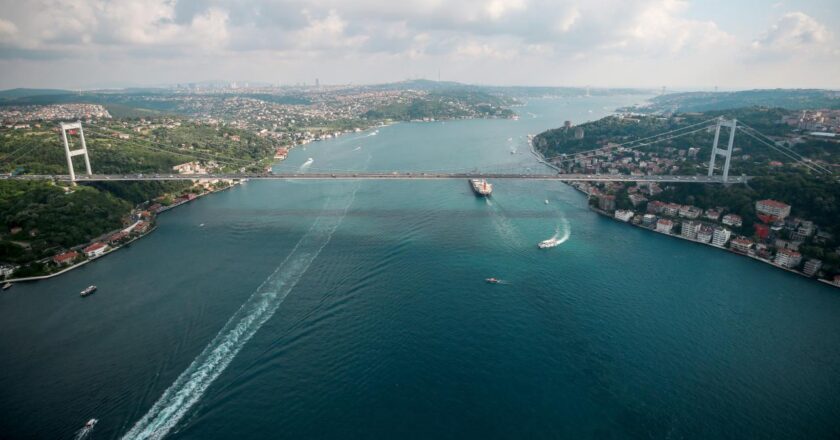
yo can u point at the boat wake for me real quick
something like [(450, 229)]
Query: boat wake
[(191, 385), (561, 234), (505, 228), (306, 164)]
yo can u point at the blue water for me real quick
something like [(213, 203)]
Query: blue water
[(359, 310)]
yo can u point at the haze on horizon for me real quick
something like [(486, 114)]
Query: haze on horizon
[(607, 43)]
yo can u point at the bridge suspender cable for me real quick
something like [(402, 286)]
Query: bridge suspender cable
[(577, 156), (639, 140), (165, 150), (216, 157), (784, 150)]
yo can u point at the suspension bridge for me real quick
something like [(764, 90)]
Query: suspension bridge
[(719, 151)]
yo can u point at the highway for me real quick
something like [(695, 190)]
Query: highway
[(381, 176)]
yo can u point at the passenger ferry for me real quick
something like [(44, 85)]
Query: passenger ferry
[(88, 290)]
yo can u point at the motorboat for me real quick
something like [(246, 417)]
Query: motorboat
[(88, 290)]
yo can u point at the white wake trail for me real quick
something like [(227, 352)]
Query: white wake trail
[(191, 385)]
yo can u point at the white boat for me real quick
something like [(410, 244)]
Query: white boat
[(88, 290), (91, 423), (7, 286), (546, 201), (550, 243)]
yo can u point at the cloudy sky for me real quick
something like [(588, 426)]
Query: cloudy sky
[(650, 43)]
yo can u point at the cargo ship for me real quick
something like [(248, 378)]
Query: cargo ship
[(481, 187)]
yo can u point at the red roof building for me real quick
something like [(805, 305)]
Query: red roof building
[(65, 258), (95, 249)]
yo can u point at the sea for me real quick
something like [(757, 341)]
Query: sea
[(359, 310)]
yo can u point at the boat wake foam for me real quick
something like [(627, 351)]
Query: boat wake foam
[(561, 234), (191, 385), (306, 164)]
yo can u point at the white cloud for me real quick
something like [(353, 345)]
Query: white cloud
[(7, 30), (579, 39), (795, 31)]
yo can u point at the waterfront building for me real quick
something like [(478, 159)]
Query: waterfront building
[(742, 245), (689, 229), (95, 249), (671, 209), (775, 209), (6, 270), (720, 236), (788, 258), (649, 220), (606, 202), (704, 235), (664, 226), (623, 215), (812, 266), (733, 220), (65, 258)]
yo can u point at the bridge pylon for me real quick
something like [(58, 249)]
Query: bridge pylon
[(65, 127), (727, 153)]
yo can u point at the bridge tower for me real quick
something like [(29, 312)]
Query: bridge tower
[(727, 153), (65, 127)]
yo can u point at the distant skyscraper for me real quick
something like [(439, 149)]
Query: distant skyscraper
[(317, 82)]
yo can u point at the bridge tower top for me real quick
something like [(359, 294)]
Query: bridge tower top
[(70, 127), (726, 153)]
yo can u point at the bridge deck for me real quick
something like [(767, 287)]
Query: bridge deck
[(383, 176)]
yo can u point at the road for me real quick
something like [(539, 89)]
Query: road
[(381, 175)]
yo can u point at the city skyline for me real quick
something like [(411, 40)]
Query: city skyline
[(82, 44)]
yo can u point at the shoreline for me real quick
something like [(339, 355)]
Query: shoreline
[(112, 249), (605, 214), (753, 257)]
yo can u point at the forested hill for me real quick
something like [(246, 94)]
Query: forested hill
[(792, 99)]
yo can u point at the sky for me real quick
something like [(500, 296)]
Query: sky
[(734, 44)]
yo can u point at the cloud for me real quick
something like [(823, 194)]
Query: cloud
[(795, 31), (7, 30), (655, 37)]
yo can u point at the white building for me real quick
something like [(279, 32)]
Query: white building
[(623, 215), (812, 266), (721, 236), (704, 235), (773, 208), (733, 220), (690, 229), (95, 250), (664, 226), (788, 258)]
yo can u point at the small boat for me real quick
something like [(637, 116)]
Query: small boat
[(7, 286), (91, 423), (493, 280), (546, 201), (550, 243), (88, 290)]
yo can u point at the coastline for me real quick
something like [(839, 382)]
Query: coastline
[(606, 214), (112, 249)]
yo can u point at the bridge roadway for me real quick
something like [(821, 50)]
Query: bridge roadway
[(381, 176)]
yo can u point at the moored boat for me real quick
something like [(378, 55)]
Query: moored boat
[(7, 286)]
